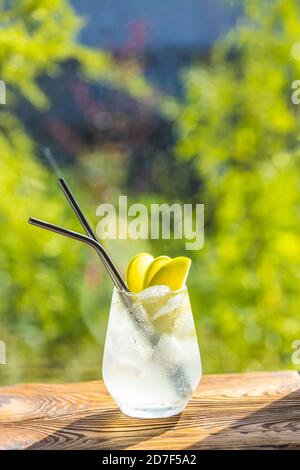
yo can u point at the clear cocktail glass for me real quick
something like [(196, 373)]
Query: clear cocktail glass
[(151, 363)]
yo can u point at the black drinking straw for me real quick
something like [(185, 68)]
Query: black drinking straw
[(75, 206), (116, 276)]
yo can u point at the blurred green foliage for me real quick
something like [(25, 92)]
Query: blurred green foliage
[(240, 126)]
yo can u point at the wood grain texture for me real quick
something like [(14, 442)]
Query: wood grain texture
[(239, 411)]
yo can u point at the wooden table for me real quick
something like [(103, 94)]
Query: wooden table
[(239, 411)]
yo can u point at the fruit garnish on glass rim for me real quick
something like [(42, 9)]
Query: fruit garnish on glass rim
[(145, 271)]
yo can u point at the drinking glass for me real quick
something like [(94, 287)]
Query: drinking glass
[(151, 363)]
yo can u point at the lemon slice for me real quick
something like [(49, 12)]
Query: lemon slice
[(153, 267), (172, 274), (136, 269)]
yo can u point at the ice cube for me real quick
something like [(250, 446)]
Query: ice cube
[(174, 303), (169, 349), (130, 345), (184, 324), (154, 292), (172, 350)]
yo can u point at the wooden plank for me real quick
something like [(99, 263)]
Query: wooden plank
[(239, 411)]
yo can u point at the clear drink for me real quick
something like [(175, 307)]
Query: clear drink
[(151, 363)]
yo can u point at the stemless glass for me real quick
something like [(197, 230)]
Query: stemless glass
[(151, 363)]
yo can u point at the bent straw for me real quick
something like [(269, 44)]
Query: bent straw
[(89, 231), (116, 278)]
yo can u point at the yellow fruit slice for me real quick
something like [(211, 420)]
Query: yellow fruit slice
[(173, 274), (136, 269), (153, 267)]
